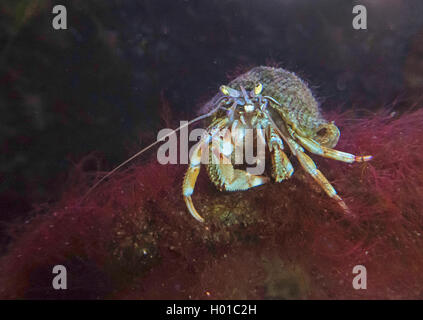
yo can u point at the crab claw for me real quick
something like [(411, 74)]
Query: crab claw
[(192, 210)]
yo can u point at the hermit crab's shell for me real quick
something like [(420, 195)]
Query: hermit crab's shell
[(298, 104)]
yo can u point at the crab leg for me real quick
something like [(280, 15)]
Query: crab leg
[(308, 165), (194, 169), (282, 167), (316, 148)]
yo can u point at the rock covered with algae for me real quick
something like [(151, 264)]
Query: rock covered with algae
[(133, 237)]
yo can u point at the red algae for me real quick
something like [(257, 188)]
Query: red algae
[(133, 238)]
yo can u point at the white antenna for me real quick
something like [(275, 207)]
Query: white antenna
[(150, 146)]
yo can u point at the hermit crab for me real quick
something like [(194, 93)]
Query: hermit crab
[(280, 107)]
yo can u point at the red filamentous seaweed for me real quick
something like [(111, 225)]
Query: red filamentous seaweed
[(132, 237)]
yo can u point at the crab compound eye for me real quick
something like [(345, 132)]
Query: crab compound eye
[(258, 89), (227, 91), (249, 108), (224, 90)]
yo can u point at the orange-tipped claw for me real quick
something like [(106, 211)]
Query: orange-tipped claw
[(192, 210), (363, 158)]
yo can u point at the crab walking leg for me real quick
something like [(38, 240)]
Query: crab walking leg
[(308, 164), (282, 167), (316, 148)]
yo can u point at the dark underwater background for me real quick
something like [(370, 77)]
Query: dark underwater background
[(124, 69)]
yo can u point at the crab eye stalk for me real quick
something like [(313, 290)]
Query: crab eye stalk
[(224, 90), (258, 89), (227, 91)]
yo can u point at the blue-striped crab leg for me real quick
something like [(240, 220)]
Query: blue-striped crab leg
[(308, 164), (282, 167), (314, 147)]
